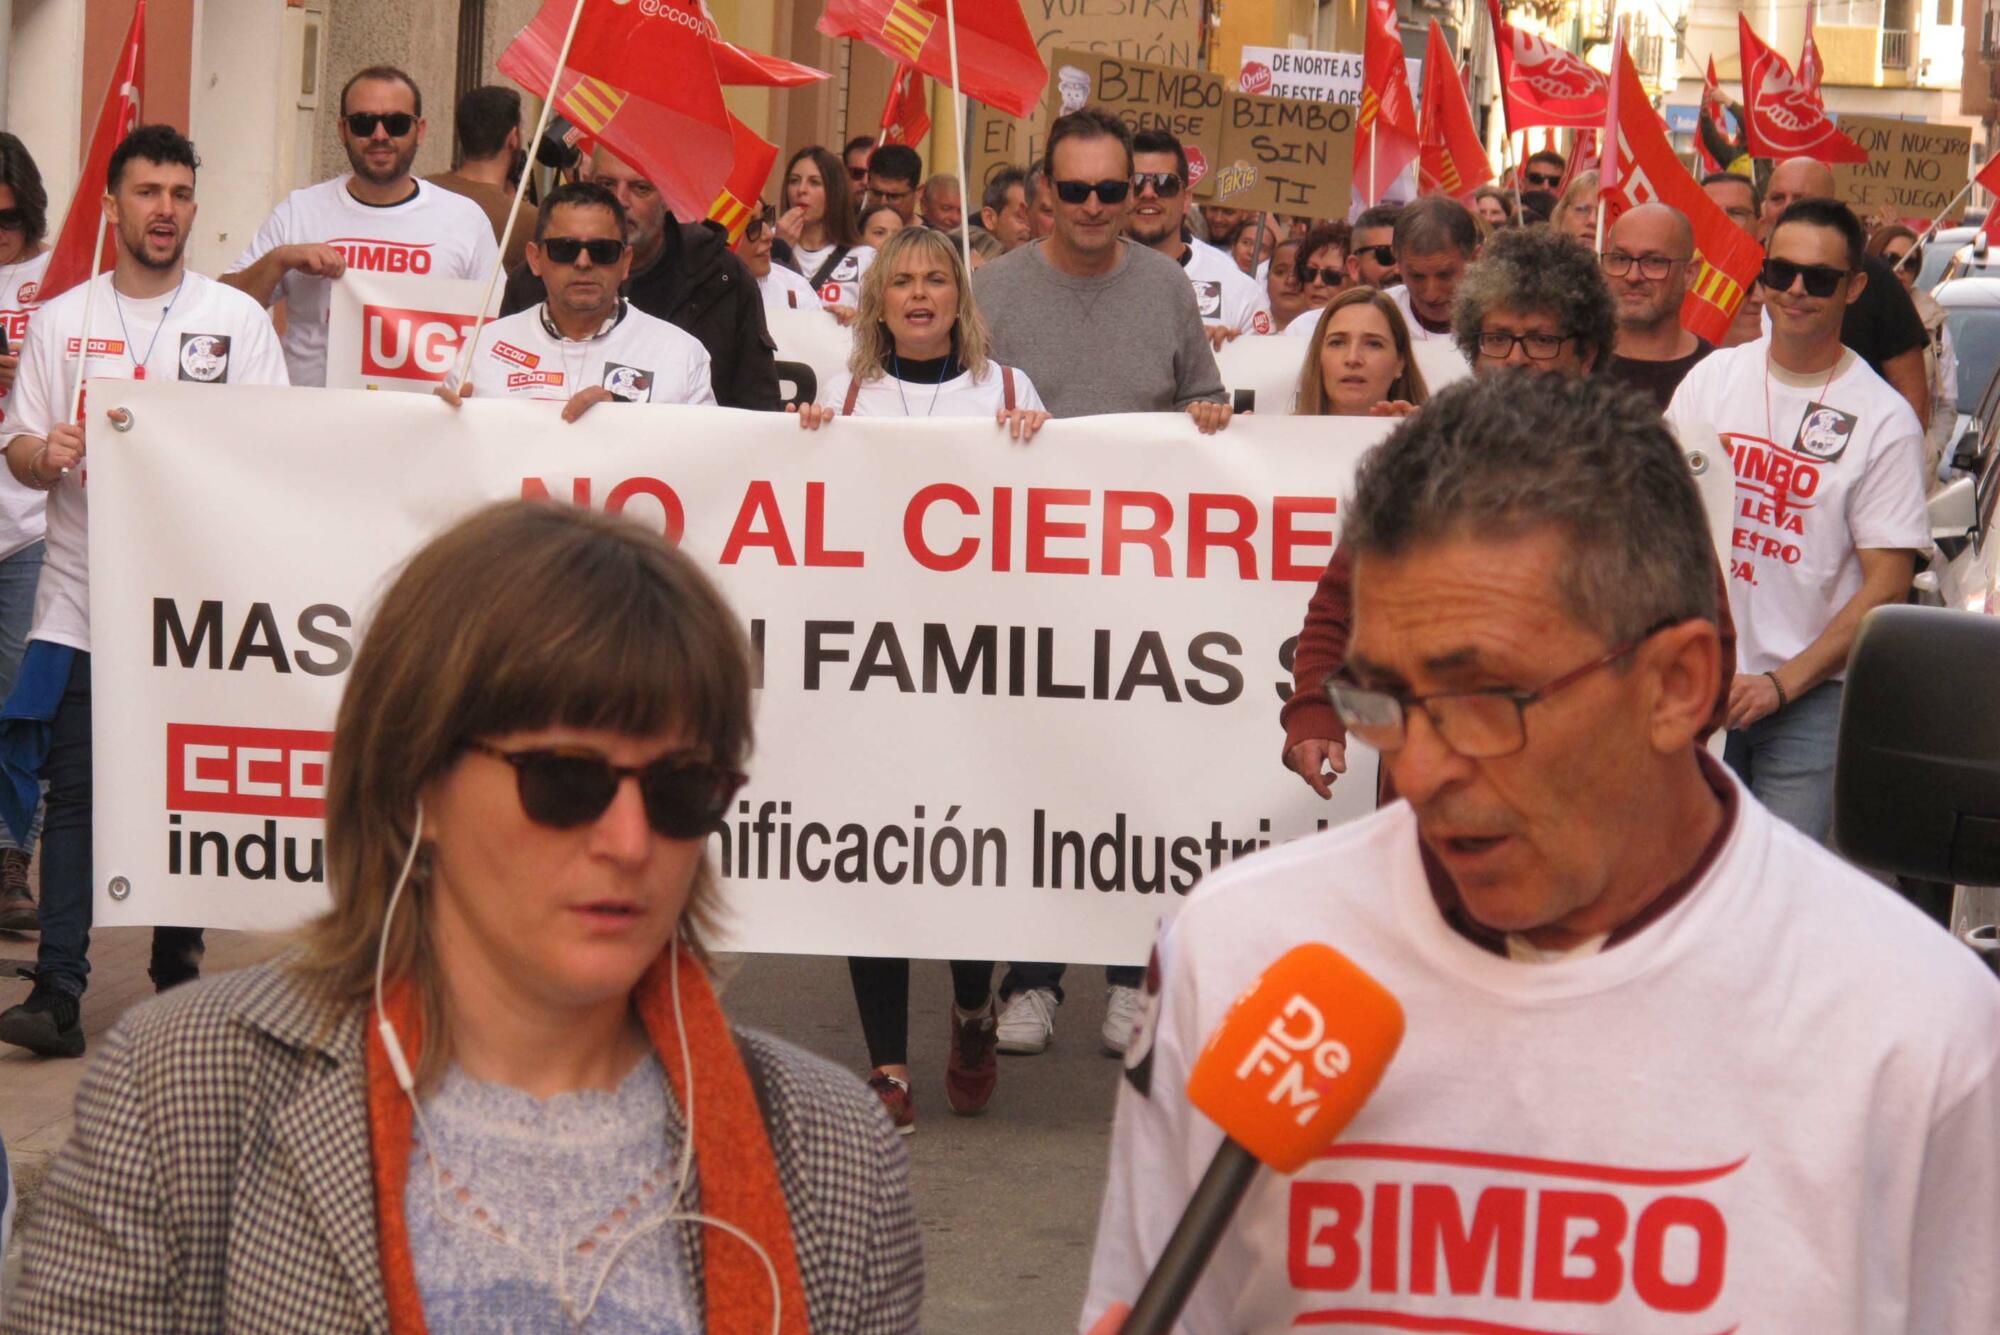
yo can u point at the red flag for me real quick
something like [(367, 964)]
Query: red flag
[(1542, 84), (685, 147), (737, 203), (1988, 178), (1781, 119), (658, 50), (1451, 160), (69, 258), (1811, 68), (1641, 167), (1385, 138), (1583, 154), (1712, 109), (906, 116), (996, 51)]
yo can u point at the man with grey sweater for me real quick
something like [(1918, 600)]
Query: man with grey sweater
[(1101, 325)]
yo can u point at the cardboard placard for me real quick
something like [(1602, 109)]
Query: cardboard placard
[(1188, 103), (1286, 155), (1914, 168)]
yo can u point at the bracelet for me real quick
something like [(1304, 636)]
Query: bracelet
[(35, 469), (1779, 686)]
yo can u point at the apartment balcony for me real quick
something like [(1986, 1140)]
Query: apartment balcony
[(1895, 50)]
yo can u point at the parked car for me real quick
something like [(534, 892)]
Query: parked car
[(1943, 249), (1964, 571)]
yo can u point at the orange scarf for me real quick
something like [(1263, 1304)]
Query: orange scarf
[(739, 1176)]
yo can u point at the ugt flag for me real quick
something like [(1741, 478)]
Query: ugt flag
[(1542, 84), (1782, 118)]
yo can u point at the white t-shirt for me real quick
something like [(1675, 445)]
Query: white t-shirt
[(640, 359), (784, 289), (434, 233), (843, 284), (1305, 323), (964, 395), (1223, 293), (206, 332), (1832, 464), (1773, 1109), (1418, 334), (23, 510)]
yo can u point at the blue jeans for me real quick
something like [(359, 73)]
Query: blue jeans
[(1787, 759), (19, 574), (63, 960)]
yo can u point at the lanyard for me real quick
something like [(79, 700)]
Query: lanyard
[(139, 363)]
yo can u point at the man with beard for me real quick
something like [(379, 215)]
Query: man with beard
[(1230, 301), (1648, 262), (150, 319), (685, 274), (378, 217)]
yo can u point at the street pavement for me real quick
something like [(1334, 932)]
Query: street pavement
[(1008, 1201)]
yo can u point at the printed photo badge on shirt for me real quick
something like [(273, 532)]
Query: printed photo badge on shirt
[(1208, 296), (205, 358), (1824, 432), (848, 270), (628, 382), (1139, 1052)]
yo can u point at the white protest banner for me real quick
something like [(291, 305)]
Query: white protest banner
[(1311, 76), (1014, 700), (398, 331), (1262, 372), (812, 348)]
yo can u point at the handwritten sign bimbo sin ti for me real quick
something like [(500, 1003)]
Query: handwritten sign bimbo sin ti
[(1286, 155)]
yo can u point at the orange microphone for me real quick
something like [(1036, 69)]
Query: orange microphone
[(1295, 1058)]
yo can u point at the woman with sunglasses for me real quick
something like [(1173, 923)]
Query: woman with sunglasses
[(819, 224), (1360, 362), (781, 286), (492, 1087), (1321, 271), (1896, 246)]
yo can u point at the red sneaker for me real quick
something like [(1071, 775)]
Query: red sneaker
[(896, 1100), (973, 1068)]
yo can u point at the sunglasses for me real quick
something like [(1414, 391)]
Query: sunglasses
[(361, 124), (1077, 192), (1333, 274), (1382, 255), (1545, 182), (684, 798), (1821, 279), (1911, 262), (13, 220), (1165, 184), (565, 249)]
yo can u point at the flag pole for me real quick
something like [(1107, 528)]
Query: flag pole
[(1607, 151), (89, 302), (958, 133), (1944, 213), (520, 192)]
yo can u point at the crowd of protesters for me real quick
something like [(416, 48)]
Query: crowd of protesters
[(1097, 283)]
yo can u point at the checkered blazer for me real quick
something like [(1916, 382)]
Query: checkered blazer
[(218, 1178)]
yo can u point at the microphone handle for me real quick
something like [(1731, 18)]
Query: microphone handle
[(1186, 1254)]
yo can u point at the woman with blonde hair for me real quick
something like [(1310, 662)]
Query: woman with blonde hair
[(493, 1089), (1360, 361), (1576, 212)]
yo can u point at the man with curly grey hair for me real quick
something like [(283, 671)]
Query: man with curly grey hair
[(1535, 298)]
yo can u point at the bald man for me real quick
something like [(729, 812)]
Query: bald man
[(1648, 263), (1882, 325)]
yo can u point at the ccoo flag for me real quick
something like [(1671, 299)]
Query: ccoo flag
[(84, 230), (996, 52), (1542, 84), (1385, 139), (1640, 167), (1782, 118), (1451, 159)]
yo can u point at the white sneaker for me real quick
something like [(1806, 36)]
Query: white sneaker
[(1121, 1012), (1028, 1021)]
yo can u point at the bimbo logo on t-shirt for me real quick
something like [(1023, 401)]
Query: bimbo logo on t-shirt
[(362, 252), (410, 344)]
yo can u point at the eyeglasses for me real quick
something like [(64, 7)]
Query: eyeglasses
[(1332, 274), (1076, 192), (1539, 347), (565, 249), (1547, 181), (361, 124), (1617, 263), (889, 196), (13, 220), (684, 798), (1821, 279), (1165, 184), (1382, 255), (1478, 725)]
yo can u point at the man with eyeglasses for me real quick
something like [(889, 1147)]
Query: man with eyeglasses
[(1648, 261), (1543, 171), (1371, 253), (855, 156), (1830, 506), (893, 173), (1535, 300), (1882, 324), (1100, 324), (1661, 1053), (378, 217), (584, 344), (1230, 302)]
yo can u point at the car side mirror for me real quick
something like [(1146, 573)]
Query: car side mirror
[(1965, 455), (1917, 781), (1954, 508)]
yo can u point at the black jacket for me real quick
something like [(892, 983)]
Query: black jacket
[(699, 285)]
